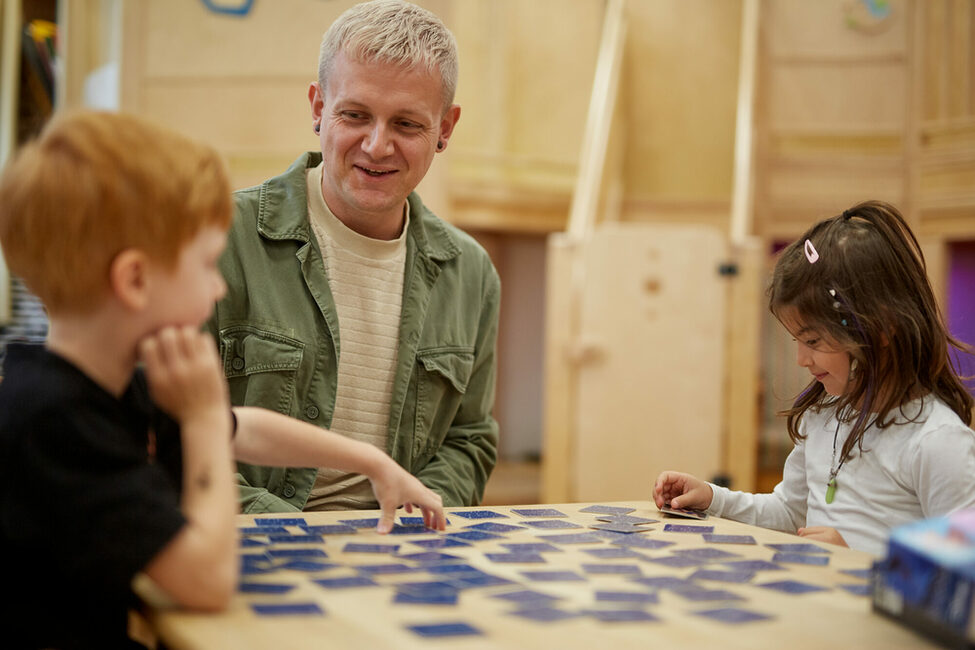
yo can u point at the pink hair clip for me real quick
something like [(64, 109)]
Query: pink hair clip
[(811, 254)]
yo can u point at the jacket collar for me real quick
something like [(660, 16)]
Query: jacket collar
[(284, 213)]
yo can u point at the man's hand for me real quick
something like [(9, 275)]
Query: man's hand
[(682, 491)]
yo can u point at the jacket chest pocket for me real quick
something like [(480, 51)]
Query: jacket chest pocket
[(442, 378), (261, 367)]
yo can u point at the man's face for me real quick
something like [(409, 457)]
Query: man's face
[(380, 125)]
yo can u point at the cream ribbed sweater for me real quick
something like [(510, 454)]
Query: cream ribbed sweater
[(366, 279)]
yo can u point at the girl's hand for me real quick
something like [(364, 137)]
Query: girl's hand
[(395, 487), (184, 374), (682, 491), (823, 534)]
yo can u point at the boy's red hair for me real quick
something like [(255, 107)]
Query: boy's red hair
[(94, 184)]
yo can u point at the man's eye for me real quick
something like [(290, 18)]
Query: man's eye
[(812, 342)]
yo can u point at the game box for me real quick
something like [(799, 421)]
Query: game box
[(927, 580)]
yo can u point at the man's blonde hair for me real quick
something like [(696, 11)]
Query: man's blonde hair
[(392, 31), (94, 184)]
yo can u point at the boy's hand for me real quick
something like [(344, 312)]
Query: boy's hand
[(682, 491), (184, 374), (822, 534), (395, 487)]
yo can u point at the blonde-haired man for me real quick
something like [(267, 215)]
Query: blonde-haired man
[(351, 305)]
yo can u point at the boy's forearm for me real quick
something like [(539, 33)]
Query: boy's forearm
[(267, 438), (198, 567)]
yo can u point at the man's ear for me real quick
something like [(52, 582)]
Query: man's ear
[(128, 278)]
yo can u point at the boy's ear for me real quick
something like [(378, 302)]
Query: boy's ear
[(129, 278)]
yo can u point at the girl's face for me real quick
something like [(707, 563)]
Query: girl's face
[(827, 362)]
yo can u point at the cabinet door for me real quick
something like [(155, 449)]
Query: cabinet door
[(649, 392)]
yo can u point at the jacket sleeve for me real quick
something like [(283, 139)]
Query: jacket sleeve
[(460, 468), (259, 500)]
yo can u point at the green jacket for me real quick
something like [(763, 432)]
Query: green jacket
[(279, 339)]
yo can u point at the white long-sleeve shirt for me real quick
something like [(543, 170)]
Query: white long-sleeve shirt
[(907, 471)]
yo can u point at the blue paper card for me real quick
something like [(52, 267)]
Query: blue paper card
[(612, 569), (538, 512), (633, 541), (309, 566), (467, 580), (479, 514), (425, 598), (551, 524), (247, 542), (353, 547), (287, 609), (857, 573), (792, 587), (526, 596), (706, 553), (458, 567), (345, 583), (624, 528), (573, 538), (621, 615), (627, 519), (281, 521), (644, 597), (295, 539), (858, 590), (439, 542), (801, 558), (664, 582), (678, 561), (263, 588), (722, 576), (532, 547), (753, 565), (516, 558), (330, 529), (728, 539), (427, 586), (473, 535), (607, 510), (544, 614), (553, 576), (613, 553), (687, 528), (410, 530), (416, 521), (444, 630), (263, 530), (296, 552), (494, 527), (385, 569), (732, 615), (361, 523), (700, 594), (798, 548), (426, 557)]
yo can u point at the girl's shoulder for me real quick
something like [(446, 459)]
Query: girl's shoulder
[(929, 420)]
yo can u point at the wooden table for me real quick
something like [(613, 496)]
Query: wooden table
[(368, 617)]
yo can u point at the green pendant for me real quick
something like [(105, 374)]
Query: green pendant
[(830, 490)]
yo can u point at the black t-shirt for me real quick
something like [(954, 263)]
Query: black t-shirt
[(89, 494)]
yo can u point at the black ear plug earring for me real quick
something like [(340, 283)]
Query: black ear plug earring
[(318, 127), (440, 145)]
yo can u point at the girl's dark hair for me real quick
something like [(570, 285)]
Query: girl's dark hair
[(868, 292)]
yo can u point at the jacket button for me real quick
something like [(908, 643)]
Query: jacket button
[(237, 363), (311, 412), (289, 491)]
